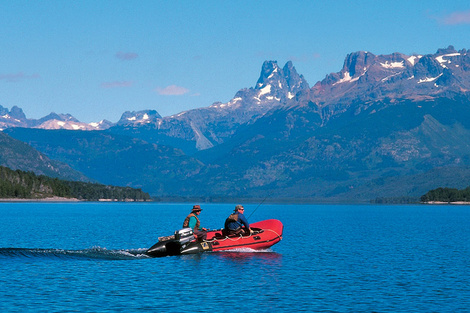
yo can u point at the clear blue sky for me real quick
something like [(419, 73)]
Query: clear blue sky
[(97, 59)]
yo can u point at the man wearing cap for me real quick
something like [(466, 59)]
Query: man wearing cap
[(193, 222), (234, 223)]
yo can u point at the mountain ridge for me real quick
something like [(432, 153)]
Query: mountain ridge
[(364, 132)]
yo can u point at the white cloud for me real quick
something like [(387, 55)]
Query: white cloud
[(172, 90)]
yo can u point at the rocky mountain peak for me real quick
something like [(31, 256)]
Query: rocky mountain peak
[(295, 82), (279, 84), (139, 117), (356, 63), (270, 72), (366, 77), (13, 118), (17, 113), (448, 50), (427, 67), (59, 117)]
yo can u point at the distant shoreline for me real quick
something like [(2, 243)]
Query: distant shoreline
[(443, 202), (49, 199), (62, 199)]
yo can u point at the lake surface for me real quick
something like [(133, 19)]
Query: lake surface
[(88, 257)]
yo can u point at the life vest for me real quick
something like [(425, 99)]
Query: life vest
[(186, 221), (233, 217)]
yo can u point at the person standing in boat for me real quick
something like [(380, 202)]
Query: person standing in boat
[(192, 221), (233, 224)]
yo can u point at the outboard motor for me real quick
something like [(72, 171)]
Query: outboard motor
[(184, 235), (182, 238), (172, 245)]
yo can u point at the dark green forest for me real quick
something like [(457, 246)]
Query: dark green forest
[(27, 185), (447, 195)]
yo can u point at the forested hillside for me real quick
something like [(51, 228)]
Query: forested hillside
[(27, 185), (447, 195)]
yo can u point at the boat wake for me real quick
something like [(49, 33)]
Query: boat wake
[(95, 253)]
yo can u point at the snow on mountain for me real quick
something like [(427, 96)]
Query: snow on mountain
[(363, 77), (12, 118), (367, 77), (74, 125), (211, 125), (139, 117), (16, 118)]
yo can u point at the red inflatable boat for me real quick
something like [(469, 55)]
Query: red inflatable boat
[(264, 235)]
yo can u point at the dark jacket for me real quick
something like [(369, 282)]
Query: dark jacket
[(235, 221)]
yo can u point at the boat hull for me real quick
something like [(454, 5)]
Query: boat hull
[(265, 234)]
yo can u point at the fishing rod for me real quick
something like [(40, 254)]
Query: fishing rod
[(260, 204)]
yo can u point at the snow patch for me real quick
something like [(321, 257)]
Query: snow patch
[(428, 79), (388, 77), (392, 64), (61, 123), (347, 78), (442, 61), (131, 118), (265, 90), (412, 59), (146, 117), (272, 73), (440, 58), (290, 95)]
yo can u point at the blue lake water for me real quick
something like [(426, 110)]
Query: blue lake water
[(88, 257)]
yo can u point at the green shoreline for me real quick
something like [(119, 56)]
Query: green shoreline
[(61, 199)]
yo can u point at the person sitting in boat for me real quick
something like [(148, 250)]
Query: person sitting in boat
[(233, 224), (192, 221)]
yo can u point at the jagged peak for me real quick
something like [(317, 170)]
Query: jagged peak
[(356, 62), (17, 113), (448, 50), (294, 81), (268, 71), (272, 77)]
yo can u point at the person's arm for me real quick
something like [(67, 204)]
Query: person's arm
[(243, 220)]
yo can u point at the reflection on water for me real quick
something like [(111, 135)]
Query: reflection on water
[(251, 255)]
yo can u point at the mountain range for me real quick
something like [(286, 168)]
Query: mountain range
[(383, 126)]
